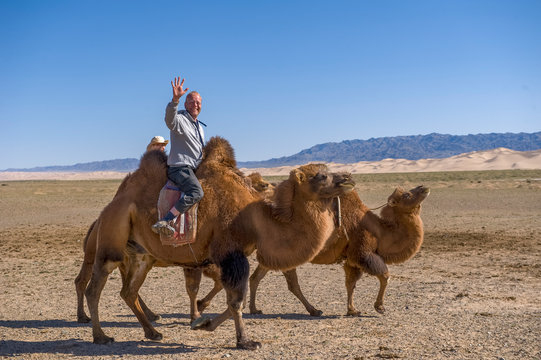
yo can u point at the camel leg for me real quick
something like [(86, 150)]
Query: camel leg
[(151, 316), (255, 279), (213, 273), (102, 269), (80, 285), (383, 281), (131, 260), (135, 276), (353, 274), (294, 287), (81, 281), (193, 279), (235, 270), (373, 264)]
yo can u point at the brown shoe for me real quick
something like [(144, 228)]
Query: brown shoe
[(162, 227)]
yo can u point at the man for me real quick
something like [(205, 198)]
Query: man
[(187, 138)]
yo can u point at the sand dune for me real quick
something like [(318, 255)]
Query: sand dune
[(496, 159)]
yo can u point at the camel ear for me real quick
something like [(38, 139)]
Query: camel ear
[(282, 202), (297, 175), (395, 197)]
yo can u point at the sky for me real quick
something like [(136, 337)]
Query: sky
[(84, 81)]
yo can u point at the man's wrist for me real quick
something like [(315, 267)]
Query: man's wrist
[(176, 100)]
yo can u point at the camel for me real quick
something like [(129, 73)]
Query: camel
[(288, 230), (126, 222), (255, 180), (367, 244)]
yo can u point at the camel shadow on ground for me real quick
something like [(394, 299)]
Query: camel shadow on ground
[(78, 347), (287, 316)]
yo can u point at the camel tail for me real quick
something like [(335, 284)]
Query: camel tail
[(373, 264), (235, 269), (88, 233)]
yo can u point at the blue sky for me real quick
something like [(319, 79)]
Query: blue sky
[(85, 81)]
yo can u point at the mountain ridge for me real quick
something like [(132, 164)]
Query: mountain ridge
[(413, 147)]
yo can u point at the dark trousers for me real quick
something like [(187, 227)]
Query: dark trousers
[(185, 179)]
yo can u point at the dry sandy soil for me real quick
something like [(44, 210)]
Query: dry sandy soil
[(472, 292)]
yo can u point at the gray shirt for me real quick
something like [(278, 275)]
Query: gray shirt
[(187, 137)]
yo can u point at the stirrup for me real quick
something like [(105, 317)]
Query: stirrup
[(162, 227)]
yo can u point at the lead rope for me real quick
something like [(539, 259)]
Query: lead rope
[(379, 207), (340, 218), (196, 261)]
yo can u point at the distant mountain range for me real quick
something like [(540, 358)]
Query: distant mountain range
[(431, 146)]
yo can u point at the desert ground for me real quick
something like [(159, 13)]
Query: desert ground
[(472, 292)]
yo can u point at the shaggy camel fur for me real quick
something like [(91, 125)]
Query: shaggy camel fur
[(255, 179), (130, 215), (367, 245), (287, 230)]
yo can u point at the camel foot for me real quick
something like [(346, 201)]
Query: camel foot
[(103, 340), (379, 308), (248, 345), (83, 319), (353, 313), (256, 312), (201, 323), (316, 313), (202, 305), (154, 335)]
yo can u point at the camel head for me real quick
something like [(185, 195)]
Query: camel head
[(315, 182), (408, 201), (259, 184), (310, 182)]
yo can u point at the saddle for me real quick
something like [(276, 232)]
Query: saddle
[(185, 224)]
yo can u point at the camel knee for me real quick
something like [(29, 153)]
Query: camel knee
[(101, 271)]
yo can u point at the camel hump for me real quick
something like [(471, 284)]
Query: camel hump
[(219, 150), (153, 161)]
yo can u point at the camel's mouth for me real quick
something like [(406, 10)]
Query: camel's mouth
[(419, 193), (421, 190), (343, 181), (347, 185)]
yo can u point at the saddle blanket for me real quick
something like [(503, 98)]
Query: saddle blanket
[(185, 224)]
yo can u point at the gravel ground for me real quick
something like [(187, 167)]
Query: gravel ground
[(472, 292)]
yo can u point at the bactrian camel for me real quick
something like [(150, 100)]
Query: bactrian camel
[(288, 230), (131, 260), (367, 244)]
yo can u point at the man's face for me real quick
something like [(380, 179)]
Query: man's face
[(158, 147), (193, 105)]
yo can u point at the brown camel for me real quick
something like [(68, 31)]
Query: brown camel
[(130, 215), (301, 208), (255, 179), (368, 243)]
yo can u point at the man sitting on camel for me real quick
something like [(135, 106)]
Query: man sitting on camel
[(187, 140)]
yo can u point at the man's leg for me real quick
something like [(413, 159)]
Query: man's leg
[(185, 179)]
